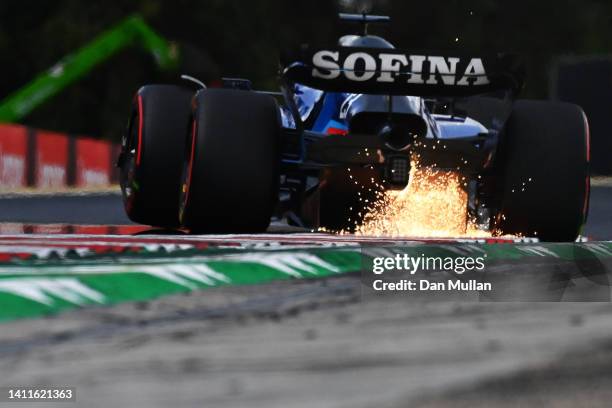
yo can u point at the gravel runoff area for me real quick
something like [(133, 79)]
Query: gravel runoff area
[(317, 343)]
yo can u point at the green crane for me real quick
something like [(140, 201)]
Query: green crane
[(131, 31)]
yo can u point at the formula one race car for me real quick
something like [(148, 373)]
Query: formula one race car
[(227, 160)]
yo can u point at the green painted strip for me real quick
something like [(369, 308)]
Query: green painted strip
[(36, 288), (41, 287)]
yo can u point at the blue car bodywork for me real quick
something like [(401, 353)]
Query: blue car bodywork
[(330, 121), (325, 117)]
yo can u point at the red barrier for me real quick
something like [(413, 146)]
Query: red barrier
[(13, 156), (90, 229), (20, 228), (92, 163), (12, 228), (51, 159), (44, 159), (47, 229)]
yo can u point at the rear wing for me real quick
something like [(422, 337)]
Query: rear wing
[(397, 72)]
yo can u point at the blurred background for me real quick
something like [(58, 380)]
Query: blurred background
[(566, 44)]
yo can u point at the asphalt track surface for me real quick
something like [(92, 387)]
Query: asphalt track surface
[(107, 209), (310, 343), (64, 208)]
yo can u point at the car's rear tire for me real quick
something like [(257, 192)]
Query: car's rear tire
[(231, 173), (545, 175), (152, 154)]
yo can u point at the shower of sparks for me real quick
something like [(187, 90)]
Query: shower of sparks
[(433, 204)]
